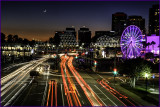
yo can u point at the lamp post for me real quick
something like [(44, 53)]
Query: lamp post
[(146, 76)]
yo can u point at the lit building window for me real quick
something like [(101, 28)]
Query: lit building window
[(155, 13)]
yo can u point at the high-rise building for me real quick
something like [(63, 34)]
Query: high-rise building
[(71, 30), (56, 37), (84, 36), (138, 21), (154, 20), (119, 20), (66, 38)]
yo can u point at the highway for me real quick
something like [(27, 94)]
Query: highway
[(14, 83), (84, 86), (69, 87)]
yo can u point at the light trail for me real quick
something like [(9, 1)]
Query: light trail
[(106, 96), (93, 99), (14, 91), (62, 95), (48, 93), (52, 95), (69, 87), (15, 80), (13, 74), (64, 81), (9, 102), (55, 93), (115, 93), (19, 77), (45, 91)]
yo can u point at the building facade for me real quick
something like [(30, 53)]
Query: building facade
[(84, 36), (102, 33), (119, 22), (138, 21), (66, 38), (154, 20), (107, 46), (107, 41)]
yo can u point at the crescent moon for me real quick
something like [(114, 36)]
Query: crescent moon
[(45, 11)]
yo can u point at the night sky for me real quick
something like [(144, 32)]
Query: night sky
[(40, 20)]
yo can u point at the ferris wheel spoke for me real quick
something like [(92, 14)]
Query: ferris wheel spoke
[(137, 49), (137, 34), (135, 31)]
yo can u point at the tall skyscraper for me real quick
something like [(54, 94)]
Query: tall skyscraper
[(154, 20), (119, 20), (138, 21), (84, 36)]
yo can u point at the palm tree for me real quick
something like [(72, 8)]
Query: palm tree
[(144, 45), (153, 43), (148, 44)]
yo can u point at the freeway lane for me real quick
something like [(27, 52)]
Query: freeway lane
[(68, 87), (89, 92), (105, 97), (14, 83)]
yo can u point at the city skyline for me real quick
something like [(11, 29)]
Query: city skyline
[(40, 20)]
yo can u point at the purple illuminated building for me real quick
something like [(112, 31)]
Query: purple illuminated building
[(154, 48)]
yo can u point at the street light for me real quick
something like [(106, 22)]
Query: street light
[(146, 76), (153, 79)]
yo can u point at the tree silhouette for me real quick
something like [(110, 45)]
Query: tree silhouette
[(149, 55), (3, 37), (144, 45), (25, 42), (148, 44), (133, 68), (10, 41), (153, 43), (32, 43), (20, 40), (15, 38), (51, 40), (10, 38)]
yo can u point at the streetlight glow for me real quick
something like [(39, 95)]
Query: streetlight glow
[(146, 75)]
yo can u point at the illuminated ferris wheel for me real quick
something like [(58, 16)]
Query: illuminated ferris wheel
[(131, 44)]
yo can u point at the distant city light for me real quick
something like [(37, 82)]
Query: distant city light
[(32, 51)]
